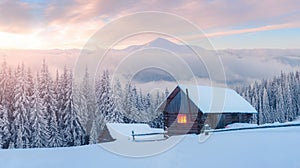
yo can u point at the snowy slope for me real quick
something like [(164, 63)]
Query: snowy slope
[(275, 148)]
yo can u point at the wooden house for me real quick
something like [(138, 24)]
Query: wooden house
[(189, 107)]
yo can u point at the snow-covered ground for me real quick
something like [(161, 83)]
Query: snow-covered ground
[(247, 125), (122, 132), (272, 148)]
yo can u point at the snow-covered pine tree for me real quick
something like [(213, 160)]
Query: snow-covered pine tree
[(257, 102), (3, 82), (93, 133), (280, 116), (254, 119), (157, 100), (288, 103), (19, 140), (266, 116), (148, 103), (293, 87), (8, 100), (38, 120), (29, 86), (137, 105), (84, 100), (4, 104), (129, 104), (59, 99), (73, 132), (297, 92), (118, 98), (46, 93), (21, 123), (105, 101), (4, 128)]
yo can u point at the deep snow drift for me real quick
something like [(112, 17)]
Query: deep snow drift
[(272, 147)]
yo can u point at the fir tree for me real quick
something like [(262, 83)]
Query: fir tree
[(46, 92), (93, 133), (21, 124), (118, 98), (73, 132), (84, 100), (105, 101), (4, 128), (38, 121)]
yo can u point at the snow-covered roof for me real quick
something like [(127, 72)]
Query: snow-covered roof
[(217, 100), (121, 130)]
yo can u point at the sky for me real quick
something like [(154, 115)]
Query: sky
[(237, 24)]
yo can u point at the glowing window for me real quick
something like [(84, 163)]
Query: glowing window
[(181, 118)]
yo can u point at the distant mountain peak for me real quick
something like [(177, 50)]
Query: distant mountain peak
[(161, 42)]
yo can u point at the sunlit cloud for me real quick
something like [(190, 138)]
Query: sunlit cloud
[(69, 24), (251, 30)]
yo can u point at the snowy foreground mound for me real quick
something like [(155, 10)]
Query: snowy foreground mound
[(273, 147)]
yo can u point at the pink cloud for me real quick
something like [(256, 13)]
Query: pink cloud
[(63, 24), (220, 14), (16, 17), (258, 29)]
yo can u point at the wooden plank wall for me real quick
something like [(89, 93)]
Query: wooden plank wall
[(227, 118), (174, 128)]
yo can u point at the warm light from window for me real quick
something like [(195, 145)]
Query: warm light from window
[(181, 118)]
